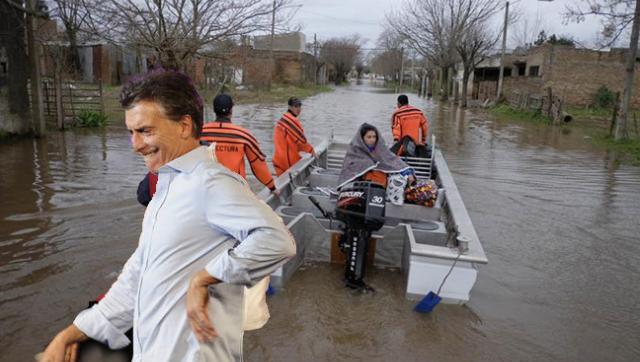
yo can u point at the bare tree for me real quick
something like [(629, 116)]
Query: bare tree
[(179, 29), (342, 53), (526, 30), (474, 43), (73, 15), (616, 17), (434, 27), (389, 61), (388, 64)]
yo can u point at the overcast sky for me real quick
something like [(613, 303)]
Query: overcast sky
[(331, 18)]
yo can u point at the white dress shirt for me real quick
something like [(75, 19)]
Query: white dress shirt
[(203, 216)]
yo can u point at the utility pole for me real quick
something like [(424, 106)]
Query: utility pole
[(315, 59), (401, 69), (272, 58), (621, 123), (37, 107), (504, 46)]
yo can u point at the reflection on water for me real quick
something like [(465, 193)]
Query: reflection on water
[(558, 220)]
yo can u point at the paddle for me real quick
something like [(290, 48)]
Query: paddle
[(431, 300)]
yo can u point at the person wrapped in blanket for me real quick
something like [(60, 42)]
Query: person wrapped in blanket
[(369, 159)]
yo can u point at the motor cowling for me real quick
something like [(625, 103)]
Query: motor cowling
[(361, 205)]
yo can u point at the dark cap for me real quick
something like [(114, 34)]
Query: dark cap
[(222, 104), (294, 102), (403, 99)]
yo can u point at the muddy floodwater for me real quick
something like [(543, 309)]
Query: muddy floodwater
[(558, 219)]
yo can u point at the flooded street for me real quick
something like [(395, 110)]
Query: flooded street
[(559, 222)]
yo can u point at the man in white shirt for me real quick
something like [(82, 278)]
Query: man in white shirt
[(204, 237)]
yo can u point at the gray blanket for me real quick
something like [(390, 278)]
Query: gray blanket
[(359, 160)]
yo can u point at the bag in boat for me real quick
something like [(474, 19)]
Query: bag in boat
[(395, 189), (422, 193), (407, 147)]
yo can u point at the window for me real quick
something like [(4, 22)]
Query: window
[(534, 71), (522, 68)]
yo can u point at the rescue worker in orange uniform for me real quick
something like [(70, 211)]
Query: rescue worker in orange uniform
[(408, 121), (289, 138), (234, 143)]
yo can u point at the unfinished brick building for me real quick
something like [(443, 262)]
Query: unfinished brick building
[(573, 74)]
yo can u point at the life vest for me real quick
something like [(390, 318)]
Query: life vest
[(233, 144), (377, 177), (409, 121), (288, 141)]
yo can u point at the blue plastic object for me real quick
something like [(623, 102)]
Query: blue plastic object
[(270, 291), (427, 303)]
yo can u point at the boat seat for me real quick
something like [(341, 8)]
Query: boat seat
[(425, 231)]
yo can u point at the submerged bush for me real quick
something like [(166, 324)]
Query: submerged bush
[(88, 118), (604, 97)]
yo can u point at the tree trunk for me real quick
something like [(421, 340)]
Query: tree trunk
[(73, 56), (444, 84), (621, 124), (451, 83), (465, 80)]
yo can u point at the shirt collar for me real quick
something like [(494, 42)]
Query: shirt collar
[(188, 162)]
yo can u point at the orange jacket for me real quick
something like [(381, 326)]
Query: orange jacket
[(409, 121), (233, 143), (288, 140)]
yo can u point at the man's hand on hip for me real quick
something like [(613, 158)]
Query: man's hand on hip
[(197, 300), (64, 347)]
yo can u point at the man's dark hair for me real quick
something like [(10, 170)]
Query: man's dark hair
[(294, 102), (403, 100), (173, 90), (222, 105)]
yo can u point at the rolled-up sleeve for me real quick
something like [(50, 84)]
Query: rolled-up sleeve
[(112, 317), (264, 243)]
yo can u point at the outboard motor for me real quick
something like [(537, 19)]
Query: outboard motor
[(361, 207)]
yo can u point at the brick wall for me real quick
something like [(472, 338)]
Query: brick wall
[(574, 74), (516, 86), (290, 68)]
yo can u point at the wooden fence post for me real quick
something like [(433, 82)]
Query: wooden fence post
[(100, 89), (57, 80), (73, 111), (46, 97), (614, 116)]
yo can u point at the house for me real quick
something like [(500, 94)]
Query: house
[(99, 61), (292, 63), (573, 74)]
